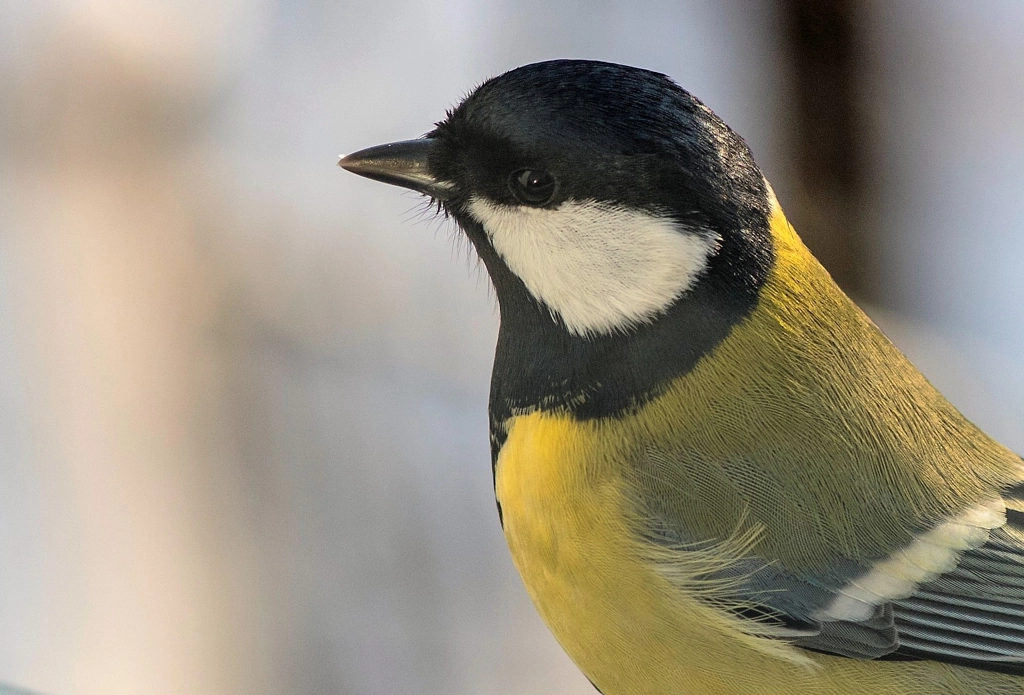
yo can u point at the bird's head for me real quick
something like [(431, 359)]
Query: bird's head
[(599, 194)]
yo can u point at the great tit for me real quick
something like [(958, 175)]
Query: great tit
[(713, 471)]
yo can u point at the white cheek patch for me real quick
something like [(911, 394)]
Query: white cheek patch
[(599, 268)]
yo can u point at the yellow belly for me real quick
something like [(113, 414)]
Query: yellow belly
[(566, 519)]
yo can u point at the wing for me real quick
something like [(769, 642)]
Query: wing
[(955, 593), (974, 613)]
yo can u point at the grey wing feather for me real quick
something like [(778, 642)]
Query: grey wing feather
[(975, 612), (972, 614), (868, 639)]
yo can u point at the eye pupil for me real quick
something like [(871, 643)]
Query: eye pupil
[(531, 179), (532, 186)]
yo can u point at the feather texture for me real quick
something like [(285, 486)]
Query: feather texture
[(951, 589), (701, 538)]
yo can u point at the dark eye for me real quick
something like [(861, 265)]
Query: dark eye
[(532, 186)]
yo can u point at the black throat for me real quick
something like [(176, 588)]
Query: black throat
[(539, 364)]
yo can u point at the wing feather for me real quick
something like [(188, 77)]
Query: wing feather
[(956, 595), (975, 612)]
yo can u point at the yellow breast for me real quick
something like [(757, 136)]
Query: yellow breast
[(568, 520), (571, 519)]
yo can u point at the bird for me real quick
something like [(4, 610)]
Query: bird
[(714, 473)]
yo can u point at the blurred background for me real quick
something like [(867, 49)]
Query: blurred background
[(243, 439)]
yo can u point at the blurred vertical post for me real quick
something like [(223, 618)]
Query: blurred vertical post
[(150, 578), (823, 43)]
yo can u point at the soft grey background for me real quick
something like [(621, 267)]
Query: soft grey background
[(242, 393)]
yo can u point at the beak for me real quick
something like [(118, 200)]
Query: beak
[(400, 164)]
